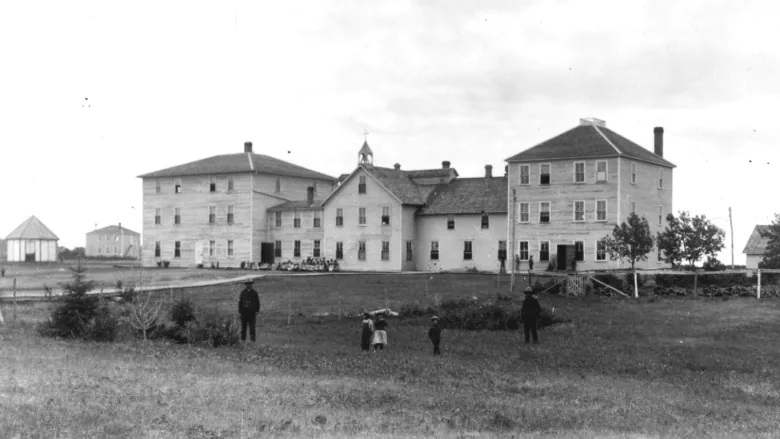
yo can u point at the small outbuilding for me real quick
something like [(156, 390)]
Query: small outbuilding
[(756, 246), (32, 241)]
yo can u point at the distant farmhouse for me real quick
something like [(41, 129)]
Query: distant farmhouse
[(215, 210), (572, 190), (756, 246), (569, 192), (32, 241), (113, 241)]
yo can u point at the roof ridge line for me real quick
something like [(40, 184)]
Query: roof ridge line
[(607, 139), (251, 164)]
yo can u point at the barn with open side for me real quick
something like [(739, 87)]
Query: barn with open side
[(32, 241)]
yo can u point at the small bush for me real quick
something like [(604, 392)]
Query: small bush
[(182, 312), (415, 310), (612, 280), (212, 328), (713, 264), (105, 325), (72, 318), (126, 294)]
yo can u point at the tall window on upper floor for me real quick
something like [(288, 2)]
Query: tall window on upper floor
[(524, 214), (157, 188), (660, 216), (544, 174), (601, 210), (660, 178), (230, 247), (579, 211), (317, 222), (278, 187), (296, 219), (362, 216), (278, 219), (156, 249), (523, 250), (601, 171), (544, 212), (579, 172), (339, 217), (230, 183), (601, 250), (230, 214), (362, 184), (385, 215), (157, 217), (177, 189), (485, 221), (177, 249), (212, 214), (525, 174), (633, 173), (467, 250), (177, 215), (450, 222), (212, 184)]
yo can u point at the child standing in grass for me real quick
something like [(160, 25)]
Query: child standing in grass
[(434, 333), (380, 336), (530, 312), (368, 332)]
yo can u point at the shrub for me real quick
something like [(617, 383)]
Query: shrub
[(127, 294), (415, 310), (212, 328), (73, 317), (713, 264), (629, 279), (104, 326), (182, 312)]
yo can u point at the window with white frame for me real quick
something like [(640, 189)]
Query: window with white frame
[(660, 216), (467, 250), (297, 249), (523, 250), (660, 178), (362, 216), (362, 184), (525, 174), (385, 250), (601, 250), (524, 215), (278, 219), (485, 222), (579, 211), (212, 214), (278, 249), (230, 214), (601, 171), (230, 247), (633, 173), (579, 172), (601, 210), (434, 250), (385, 215), (177, 215), (544, 250), (212, 184), (450, 222), (579, 250), (544, 174), (316, 250), (361, 250), (339, 217), (544, 212), (317, 222), (297, 219)]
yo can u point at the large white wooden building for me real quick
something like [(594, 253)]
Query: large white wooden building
[(32, 241)]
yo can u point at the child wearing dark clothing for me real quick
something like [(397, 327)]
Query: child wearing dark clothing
[(434, 333), (530, 312), (367, 333), (380, 335)]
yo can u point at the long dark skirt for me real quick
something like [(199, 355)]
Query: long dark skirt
[(365, 339)]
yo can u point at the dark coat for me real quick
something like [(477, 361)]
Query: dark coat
[(531, 308), (248, 302), (380, 324), (434, 333)]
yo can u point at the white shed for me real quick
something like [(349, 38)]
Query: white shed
[(32, 241)]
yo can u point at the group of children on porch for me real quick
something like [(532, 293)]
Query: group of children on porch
[(374, 325)]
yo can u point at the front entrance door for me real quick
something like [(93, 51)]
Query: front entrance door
[(266, 252), (561, 259)]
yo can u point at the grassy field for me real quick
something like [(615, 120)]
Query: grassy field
[(621, 368)]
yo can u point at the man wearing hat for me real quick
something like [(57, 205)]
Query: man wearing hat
[(248, 307), (530, 312), (434, 333)]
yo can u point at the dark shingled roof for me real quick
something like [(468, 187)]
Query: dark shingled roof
[(587, 141), (113, 230), (398, 183), (432, 173), (468, 195), (297, 205), (756, 244), (33, 228), (239, 163)]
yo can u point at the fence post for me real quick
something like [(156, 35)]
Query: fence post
[(695, 284), (636, 286), (758, 292)]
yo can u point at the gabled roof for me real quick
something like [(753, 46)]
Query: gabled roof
[(33, 228), (296, 205), (432, 173), (756, 244), (113, 230), (239, 163), (588, 141), (395, 181), (468, 196)]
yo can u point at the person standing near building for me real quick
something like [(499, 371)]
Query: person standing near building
[(367, 331), (434, 333), (248, 307), (530, 312)]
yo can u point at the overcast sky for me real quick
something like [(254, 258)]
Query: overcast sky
[(93, 94)]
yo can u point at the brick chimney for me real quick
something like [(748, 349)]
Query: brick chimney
[(310, 195), (445, 164), (488, 171), (659, 141), (397, 166), (247, 146)]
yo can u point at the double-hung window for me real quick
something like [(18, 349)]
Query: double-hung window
[(660, 178), (544, 174), (485, 221), (434, 250), (601, 171), (601, 210), (157, 216), (601, 250), (467, 250), (544, 251), (230, 214), (362, 216), (450, 222), (385, 250), (361, 250), (579, 172), (525, 174), (544, 212), (297, 219), (362, 184), (523, 250), (339, 217), (385, 215), (579, 211), (524, 214), (316, 251), (633, 173), (339, 250), (278, 219), (156, 249), (278, 249), (212, 214), (579, 250), (317, 222), (297, 249), (177, 215)]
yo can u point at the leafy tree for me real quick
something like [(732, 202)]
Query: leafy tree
[(688, 239), (772, 253), (632, 241)]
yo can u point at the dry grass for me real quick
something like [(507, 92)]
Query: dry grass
[(665, 368)]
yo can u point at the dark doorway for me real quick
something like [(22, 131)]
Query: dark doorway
[(561, 259), (267, 253), (29, 257)]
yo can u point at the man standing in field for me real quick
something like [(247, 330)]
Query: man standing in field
[(434, 333), (248, 307), (530, 312)]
